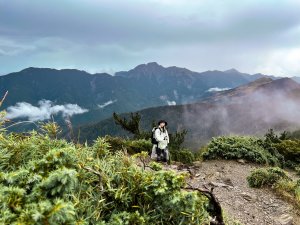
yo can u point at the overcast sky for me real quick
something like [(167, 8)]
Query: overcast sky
[(111, 35)]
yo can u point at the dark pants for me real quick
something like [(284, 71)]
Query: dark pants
[(161, 154)]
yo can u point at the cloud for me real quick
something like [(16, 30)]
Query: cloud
[(102, 35), (171, 102), (282, 62), (216, 89), (43, 111), (106, 104)]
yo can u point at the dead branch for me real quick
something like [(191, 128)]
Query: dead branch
[(96, 173), (2, 100), (216, 211)]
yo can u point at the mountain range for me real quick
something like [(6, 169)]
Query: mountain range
[(99, 95), (249, 109)]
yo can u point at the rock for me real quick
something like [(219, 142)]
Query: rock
[(285, 219), (174, 167), (241, 161), (197, 163), (247, 196), (216, 184), (227, 181)]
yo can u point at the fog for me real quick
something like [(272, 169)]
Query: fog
[(251, 114)]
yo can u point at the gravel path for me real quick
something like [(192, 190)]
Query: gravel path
[(250, 206)]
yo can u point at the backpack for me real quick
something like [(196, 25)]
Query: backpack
[(153, 140)]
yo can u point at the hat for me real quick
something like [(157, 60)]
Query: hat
[(162, 121)]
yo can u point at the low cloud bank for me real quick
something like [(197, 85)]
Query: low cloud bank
[(252, 114), (216, 89), (43, 111), (106, 104), (171, 102)]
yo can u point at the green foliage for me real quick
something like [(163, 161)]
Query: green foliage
[(239, 147), (51, 129), (131, 146), (290, 149), (289, 190), (266, 177), (183, 155), (135, 146), (16, 150), (271, 137), (177, 140), (274, 149), (50, 181), (101, 147), (37, 192), (155, 166), (132, 125), (278, 180), (294, 135)]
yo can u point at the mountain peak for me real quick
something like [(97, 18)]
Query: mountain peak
[(232, 70), (150, 65), (148, 69)]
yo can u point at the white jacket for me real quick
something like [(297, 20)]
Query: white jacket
[(162, 138)]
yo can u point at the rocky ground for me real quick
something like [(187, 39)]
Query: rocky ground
[(249, 206)]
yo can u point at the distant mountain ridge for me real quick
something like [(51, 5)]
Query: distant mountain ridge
[(250, 109), (147, 85)]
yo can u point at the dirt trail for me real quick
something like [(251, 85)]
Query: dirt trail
[(250, 206)]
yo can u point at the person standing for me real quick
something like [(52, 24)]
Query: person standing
[(162, 138)]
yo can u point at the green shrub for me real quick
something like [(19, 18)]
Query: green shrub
[(131, 146), (290, 149), (116, 143), (136, 146), (37, 192), (155, 166), (15, 151), (280, 183), (100, 147), (239, 147), (50, 181), (184, 155), (266, 177), (288, 190)]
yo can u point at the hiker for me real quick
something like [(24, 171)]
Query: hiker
[(160, 140)]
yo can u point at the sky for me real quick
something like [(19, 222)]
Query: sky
[(252, 36)]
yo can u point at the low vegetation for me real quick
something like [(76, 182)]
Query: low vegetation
[(131, 146), (238, 147), (271, 150), (266, 177), (281, 151), (44, 180), (278, 180)]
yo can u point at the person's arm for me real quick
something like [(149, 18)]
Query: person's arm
[(167, 134), (158, 136)]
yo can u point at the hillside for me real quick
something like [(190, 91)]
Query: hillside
[(147, 85), (249, 110), (249, 206)]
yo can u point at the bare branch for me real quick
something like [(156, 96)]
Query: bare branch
[(96, 173), (2, 100), (217, 209)]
